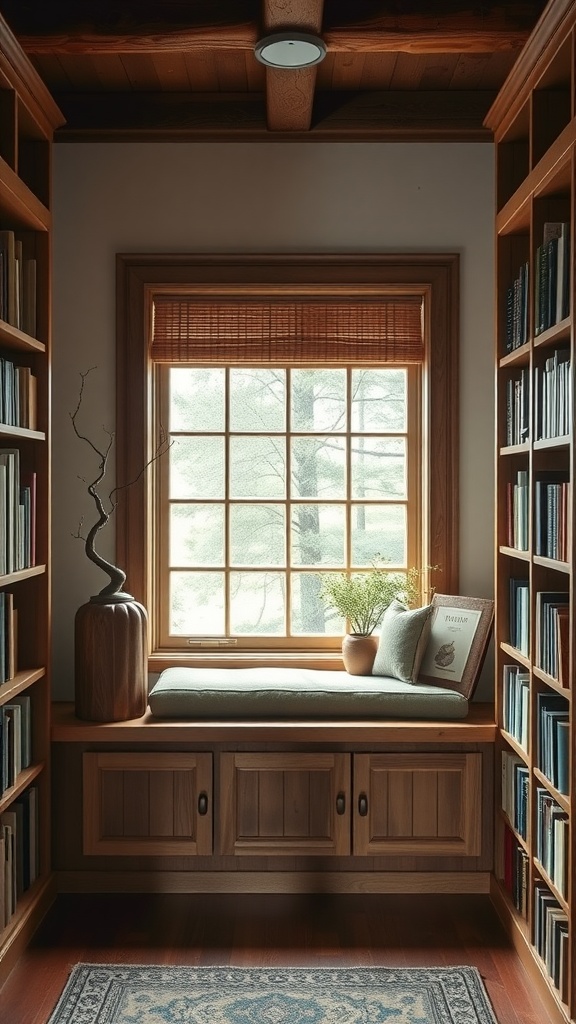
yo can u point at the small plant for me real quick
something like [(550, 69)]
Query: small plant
[(362, 598)]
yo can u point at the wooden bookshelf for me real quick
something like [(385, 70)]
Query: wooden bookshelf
[(534, 124), (28, 118)]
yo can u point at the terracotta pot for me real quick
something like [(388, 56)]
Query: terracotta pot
[(110, 654), (358, 653)]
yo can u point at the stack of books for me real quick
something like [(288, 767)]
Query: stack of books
[(553, 722), (516, 703), (552, 276), (517, 310), (17, 284), (18, 851)]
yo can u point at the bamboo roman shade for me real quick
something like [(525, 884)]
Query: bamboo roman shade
[(287, 331)]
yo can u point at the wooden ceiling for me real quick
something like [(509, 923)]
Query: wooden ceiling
[(185, 69)]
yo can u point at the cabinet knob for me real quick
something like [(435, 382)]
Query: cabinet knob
[(203, 803), (362, 805), (340, 803)]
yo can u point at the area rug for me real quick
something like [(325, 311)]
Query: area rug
[(116, 994)]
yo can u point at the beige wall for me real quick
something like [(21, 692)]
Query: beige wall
[(111, 198)]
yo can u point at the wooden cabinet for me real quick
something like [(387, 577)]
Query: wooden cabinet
[(534, 123), (418, 804), (285, 803), (147, 804), (28, 117)]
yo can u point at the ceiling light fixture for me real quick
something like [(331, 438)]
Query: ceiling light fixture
[(290, 50)]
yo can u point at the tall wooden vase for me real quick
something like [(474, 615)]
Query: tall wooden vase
[(110, 655)]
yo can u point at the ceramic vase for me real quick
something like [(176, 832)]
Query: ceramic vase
[(110, 659), (358, 653)]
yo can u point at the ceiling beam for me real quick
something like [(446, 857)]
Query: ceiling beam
[(290, 93), (463, 33), (450, 116)]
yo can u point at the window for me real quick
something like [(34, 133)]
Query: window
[(274, 477), (319, 458)]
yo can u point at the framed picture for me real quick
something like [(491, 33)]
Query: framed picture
[(459, 637)]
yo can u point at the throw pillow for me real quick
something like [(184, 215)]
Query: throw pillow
[(403, 638)]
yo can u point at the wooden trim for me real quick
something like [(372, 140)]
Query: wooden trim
[(137, 275), (275, 881), (21, 929), (26, 82), (479, 727), (553, 25), (394, 34), (442, 116)]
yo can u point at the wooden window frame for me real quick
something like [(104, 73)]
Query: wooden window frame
[(138, 275)]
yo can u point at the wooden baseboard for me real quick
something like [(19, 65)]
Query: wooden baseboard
[(555, 1013), (274, 881), (25, 925)]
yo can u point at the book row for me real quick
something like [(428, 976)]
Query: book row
[(517, 517), (551, 937), (18, 395), (515, 785), (553, 397), (18, 851), (552, 626), (17, 284), (553, 724), (552, 839), (516, 871), (516, 328), (517, 409), (17, 513), (552, 276), (516, 703), (551, 504), (519, 615), (15, 739)]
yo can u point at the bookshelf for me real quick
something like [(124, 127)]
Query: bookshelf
[(28, 118), (534, 124)]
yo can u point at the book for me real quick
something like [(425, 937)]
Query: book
[(8, 289), (9, 889)]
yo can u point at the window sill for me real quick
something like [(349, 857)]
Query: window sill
[(160, 660)]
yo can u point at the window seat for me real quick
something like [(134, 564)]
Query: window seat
[(289, 693)]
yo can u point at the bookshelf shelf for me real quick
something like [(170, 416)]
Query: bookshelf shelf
[(28, 119), (18, 205), (519, 357), (23, 679), (524, 556), (22, 782), (519, 839), (564, 801), (516, 747), (512, 652), (16, 339), (534, 124), (543, 874)]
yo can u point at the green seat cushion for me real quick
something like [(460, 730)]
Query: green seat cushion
[(273, 693)]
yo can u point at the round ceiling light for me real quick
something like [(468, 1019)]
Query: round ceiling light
[(290, 50)]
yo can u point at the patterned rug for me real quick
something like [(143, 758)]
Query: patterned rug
[(115, 994)]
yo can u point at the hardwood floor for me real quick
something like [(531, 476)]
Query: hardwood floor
[(247, 930)]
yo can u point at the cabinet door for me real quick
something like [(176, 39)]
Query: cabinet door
[(297, 804), (418, 804), (147, 803)]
